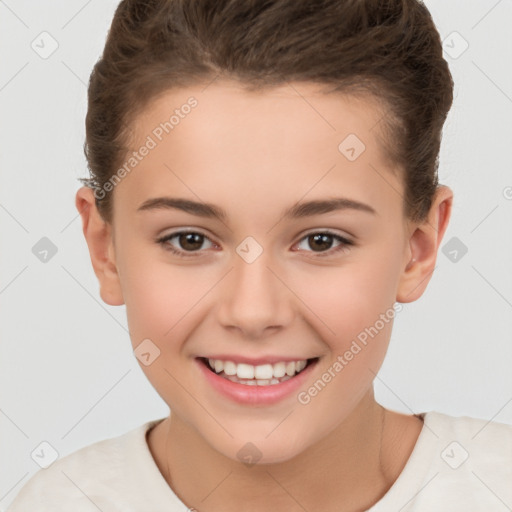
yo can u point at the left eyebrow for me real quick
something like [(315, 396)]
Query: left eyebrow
[(317, 207), (300, 210)]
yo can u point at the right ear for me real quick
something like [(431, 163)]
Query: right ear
[(98, 235)]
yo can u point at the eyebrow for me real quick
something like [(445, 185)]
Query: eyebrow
[(299, 210)]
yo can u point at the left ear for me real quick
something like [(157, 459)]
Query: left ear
[(423, 246)]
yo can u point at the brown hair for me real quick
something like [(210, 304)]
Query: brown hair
[(388, 48)]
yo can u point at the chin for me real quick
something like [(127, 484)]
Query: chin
[(261, 450)]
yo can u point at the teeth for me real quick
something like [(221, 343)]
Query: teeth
[(265, 371), (244, 371), (300, 365), (229, 368), (262, 375), (259, 382), (279, 370)]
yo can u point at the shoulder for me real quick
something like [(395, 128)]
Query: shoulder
[(475, 435), (85, 480), (471, 460), (458, 463)]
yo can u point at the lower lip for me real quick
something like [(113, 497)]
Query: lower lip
[(256, 395)]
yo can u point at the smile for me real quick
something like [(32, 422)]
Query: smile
[(257, 375)]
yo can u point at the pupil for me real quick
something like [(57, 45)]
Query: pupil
[(324, 241), (188, 240)]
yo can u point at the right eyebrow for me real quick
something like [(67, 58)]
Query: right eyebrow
[(186, 205)]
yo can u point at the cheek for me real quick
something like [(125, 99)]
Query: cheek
[(159, 297), (353, 308), (151, 304), (163, 302), (356, 305), (346, 300)]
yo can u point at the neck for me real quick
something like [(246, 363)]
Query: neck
[(351, 468)]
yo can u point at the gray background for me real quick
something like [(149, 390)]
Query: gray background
[(67, 372)]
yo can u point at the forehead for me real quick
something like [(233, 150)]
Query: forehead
[(222, 142)]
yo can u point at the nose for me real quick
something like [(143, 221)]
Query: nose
[(255, 300)]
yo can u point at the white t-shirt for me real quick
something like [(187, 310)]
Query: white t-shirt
[(458, 464)]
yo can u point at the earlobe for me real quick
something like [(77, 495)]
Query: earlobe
[(98, 235), (423, 247)]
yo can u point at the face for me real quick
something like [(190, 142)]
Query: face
[(274, 277)]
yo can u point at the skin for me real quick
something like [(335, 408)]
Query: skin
[(255, 154)]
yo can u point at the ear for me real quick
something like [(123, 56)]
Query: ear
[(98, 235), (423, 245)]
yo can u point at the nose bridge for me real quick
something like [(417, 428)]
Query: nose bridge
[(256, 299)]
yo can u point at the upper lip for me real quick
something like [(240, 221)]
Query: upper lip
[(255, 361)]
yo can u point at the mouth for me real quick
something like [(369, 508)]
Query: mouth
[(257, 375)]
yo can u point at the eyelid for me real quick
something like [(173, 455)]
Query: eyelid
[(183, 231), (345, 241), (328, 231)]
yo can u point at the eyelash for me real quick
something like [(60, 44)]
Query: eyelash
[(192, 254)]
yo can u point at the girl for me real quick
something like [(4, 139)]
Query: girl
[(263, 198)]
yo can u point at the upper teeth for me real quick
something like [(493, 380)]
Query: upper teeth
[(264, 371)]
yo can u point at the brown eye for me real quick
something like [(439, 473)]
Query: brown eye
[(322, 243), (186, 243), (190, 241)]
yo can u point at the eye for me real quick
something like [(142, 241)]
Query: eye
[(188, 242), (322, 241)]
